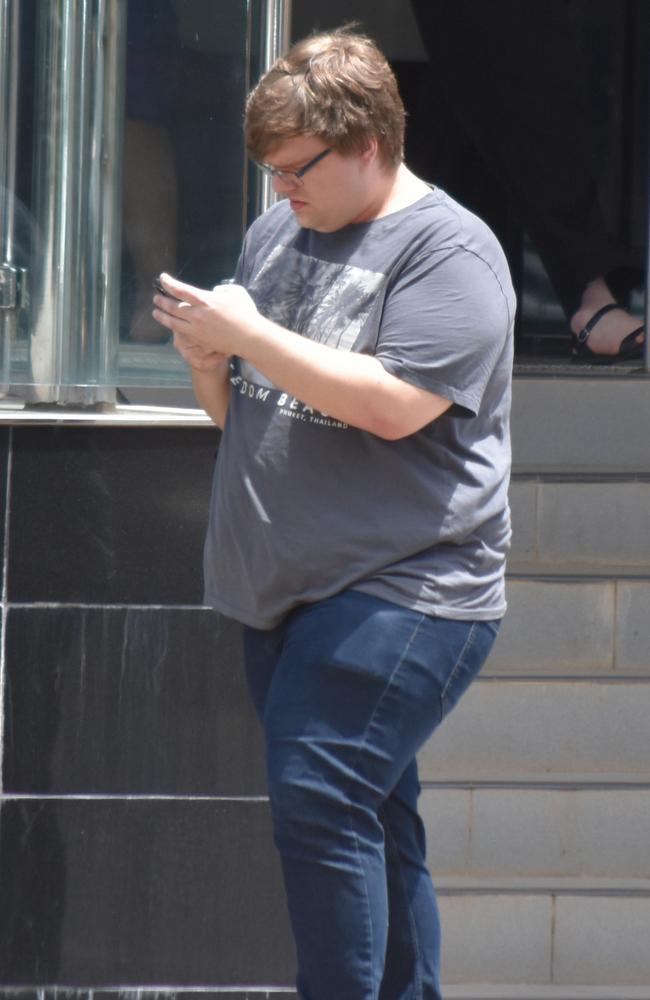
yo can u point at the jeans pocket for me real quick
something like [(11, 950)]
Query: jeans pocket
[(472, 657)]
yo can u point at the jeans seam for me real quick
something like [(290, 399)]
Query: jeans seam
[(412, 924), (375, 987), (460, 660), (374, 992)]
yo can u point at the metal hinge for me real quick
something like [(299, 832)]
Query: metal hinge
[(13, 287)]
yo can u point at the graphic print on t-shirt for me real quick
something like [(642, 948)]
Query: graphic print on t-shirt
[(325, 301)]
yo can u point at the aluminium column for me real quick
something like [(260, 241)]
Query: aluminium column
[(77, 199), (10, 275)]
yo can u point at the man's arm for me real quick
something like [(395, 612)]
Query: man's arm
[(354, 388), (210, 377), (212, 392)]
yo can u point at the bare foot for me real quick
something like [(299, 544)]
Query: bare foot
[(609, 332)]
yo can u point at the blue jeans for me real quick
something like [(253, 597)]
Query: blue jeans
[(348, 689)]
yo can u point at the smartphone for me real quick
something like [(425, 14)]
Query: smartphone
[(156, 283)]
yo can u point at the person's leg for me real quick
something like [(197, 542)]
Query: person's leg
[(358, 686), (610, 329), (413, 948)]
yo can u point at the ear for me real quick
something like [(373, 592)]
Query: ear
[(372, 148)]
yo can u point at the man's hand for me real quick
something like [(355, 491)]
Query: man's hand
[(204, 323), (191, 321), (197, 357)]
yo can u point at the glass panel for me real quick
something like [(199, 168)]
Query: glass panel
[(121, 155), (184, 165)]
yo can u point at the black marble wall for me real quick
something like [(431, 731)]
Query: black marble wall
[(135, 846)]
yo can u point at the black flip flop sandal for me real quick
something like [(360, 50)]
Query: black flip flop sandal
[(628, 350)]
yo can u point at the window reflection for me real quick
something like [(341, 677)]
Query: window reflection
[(181, 207), (183, 200), (150, 178)]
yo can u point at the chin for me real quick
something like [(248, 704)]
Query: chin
[(310, 220), (324, 225)]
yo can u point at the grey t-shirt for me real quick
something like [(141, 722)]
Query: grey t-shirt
[(305, 506)]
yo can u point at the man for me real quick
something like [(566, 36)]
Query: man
[(360, 370)]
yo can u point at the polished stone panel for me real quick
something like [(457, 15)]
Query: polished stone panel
[(259, 993), (206, 994), (203, 994), (137, 892), (216, 995), (109, 515), (4, 460), (128, 701), (143, 994)]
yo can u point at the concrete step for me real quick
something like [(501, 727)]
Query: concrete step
[(526, 991), (454, 991), (560, 626), (555, 886), (594, 526), (534, 833), (551, 937), (581, 426), (505, 727)]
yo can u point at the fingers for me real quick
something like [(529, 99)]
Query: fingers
[(163, 314), (196, 356), (211, 318), (170, 311), (187, 293), (186, 346)]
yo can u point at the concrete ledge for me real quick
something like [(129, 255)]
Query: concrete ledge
[(509, 727), (500, 939), (581, 525), (525, 837), (554, 939), (581, 426), (637, 888), (578, 626), (603, 942), (526, 991)]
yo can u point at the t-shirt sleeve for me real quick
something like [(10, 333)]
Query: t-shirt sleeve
[(444, 324)]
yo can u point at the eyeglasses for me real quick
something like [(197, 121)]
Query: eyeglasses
[(293, 176)]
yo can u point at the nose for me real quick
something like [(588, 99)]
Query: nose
[(282, 184)]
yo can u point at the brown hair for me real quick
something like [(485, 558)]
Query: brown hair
[(337, 86)]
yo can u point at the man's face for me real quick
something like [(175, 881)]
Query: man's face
[(335, 192)]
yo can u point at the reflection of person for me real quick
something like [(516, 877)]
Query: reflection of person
[(359, 517), (150, 201), (525, 119), (149, 215)]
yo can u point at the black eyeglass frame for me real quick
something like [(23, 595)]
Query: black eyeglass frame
[(295, 175)]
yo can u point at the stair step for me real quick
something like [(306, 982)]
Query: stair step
[(555, 626), (532, 781), (553, 726), (573, 938), (581, 426), (537, 834), (571, 526), (526, 991), (459, 885)]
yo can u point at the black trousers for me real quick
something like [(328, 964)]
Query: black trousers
[(505, 115)]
